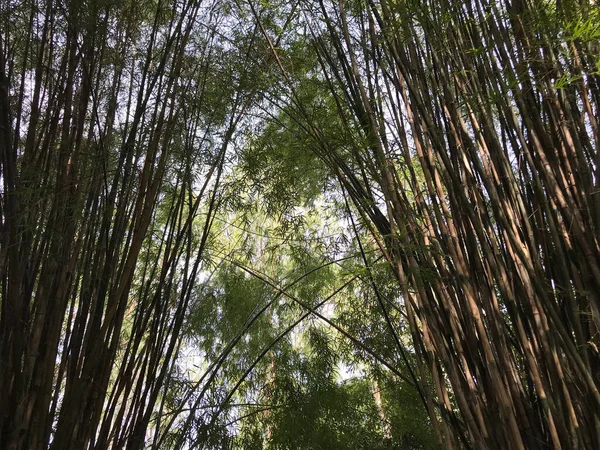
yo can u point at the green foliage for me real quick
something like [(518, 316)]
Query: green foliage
[(295, 396), (409, 425), (311, 408), (282, 168)]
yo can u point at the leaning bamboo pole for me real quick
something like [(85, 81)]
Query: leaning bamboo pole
[(476, 168)]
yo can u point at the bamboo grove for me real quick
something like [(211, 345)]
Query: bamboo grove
[(460, 140)]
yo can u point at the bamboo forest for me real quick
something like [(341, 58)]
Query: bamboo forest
[(301, 224)]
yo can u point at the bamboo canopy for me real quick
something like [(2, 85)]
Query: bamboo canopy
[(468, 147)]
